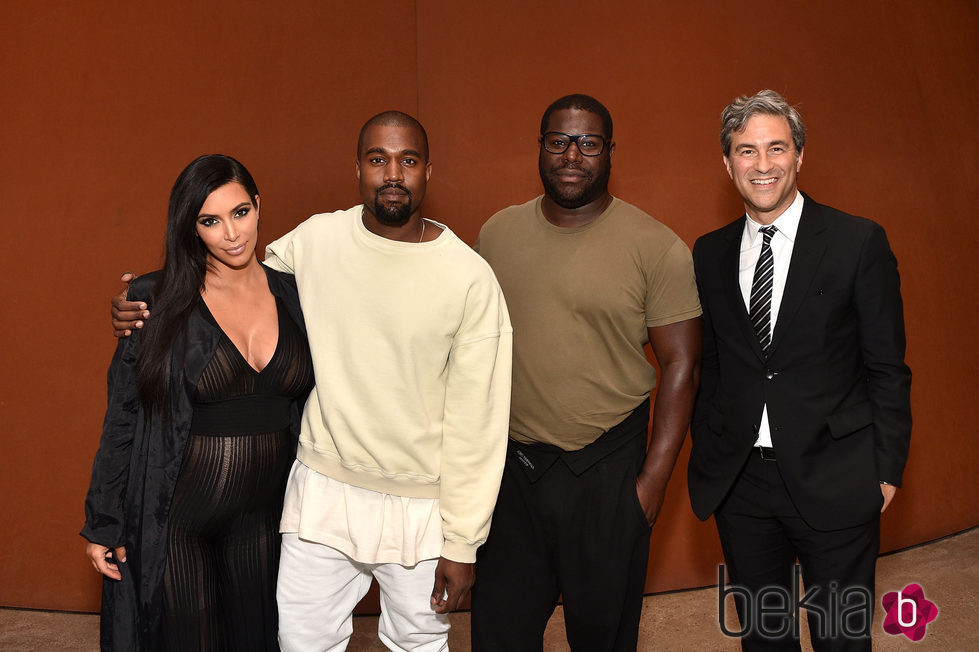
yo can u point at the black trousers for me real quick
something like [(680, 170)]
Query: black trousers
[(566, 524), (762, 535)]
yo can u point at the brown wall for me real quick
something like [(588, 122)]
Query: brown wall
[(102, 104)]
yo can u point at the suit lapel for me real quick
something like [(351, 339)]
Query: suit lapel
[(807, 252), (730, 268)]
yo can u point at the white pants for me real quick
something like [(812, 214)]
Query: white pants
[(319, 587)]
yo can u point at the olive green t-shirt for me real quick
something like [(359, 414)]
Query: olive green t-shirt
[(580, 302)]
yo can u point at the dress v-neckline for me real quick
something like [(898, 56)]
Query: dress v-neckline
[(241, 356)]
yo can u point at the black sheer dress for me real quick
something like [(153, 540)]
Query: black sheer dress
[(223, 540)]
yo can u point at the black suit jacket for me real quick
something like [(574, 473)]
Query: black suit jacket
[(835, 381)]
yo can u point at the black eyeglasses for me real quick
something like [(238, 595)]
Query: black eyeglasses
[(588, 144)]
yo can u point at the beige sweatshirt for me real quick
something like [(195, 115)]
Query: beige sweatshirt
[(411, 346)]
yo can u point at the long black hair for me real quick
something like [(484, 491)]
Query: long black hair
[(182, 279)]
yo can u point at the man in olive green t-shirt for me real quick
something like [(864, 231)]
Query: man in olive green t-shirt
[(589, 279)]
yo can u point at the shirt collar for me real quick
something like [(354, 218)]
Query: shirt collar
[(787, 222)]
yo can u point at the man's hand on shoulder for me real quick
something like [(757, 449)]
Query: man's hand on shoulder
[(127, 315), (453, 580)]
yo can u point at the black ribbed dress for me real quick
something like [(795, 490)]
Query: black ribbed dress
[(223, 540)]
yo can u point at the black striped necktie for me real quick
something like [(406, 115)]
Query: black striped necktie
[(760, 303)]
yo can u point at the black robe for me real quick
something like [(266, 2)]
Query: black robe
[(137, 465)]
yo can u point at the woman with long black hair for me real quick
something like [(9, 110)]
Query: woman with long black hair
[(183, 509)]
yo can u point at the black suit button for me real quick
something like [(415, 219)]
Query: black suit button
[(769, 374)]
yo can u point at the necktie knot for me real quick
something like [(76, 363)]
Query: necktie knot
[(767, 232)]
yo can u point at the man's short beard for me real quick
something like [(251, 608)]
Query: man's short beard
[(392, 215), (594, 190)]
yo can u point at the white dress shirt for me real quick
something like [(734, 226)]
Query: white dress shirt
[(782, 243)]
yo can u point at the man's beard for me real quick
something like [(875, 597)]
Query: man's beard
[(392, 214), (596, 186)]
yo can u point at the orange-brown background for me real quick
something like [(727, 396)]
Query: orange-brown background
[(103, 103)]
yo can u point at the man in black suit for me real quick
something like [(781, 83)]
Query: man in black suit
[(802, 423)]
